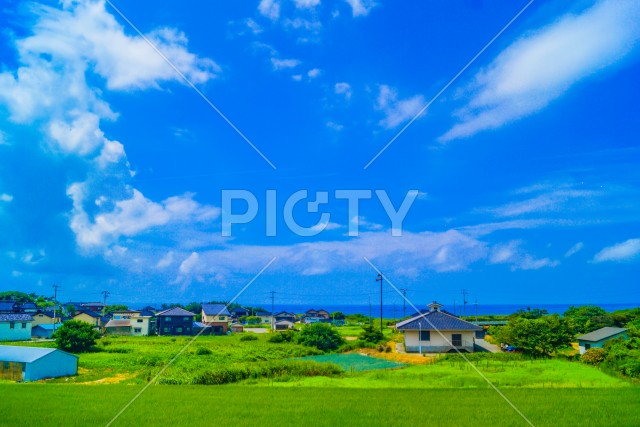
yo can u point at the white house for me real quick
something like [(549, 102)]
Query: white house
[(15, 327), (436, 331)]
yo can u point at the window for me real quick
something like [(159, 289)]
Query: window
[(186, 319), (165, 329), (137, 330), (456, 340), (587, 346), (139, 320), (222, 318), (167, 319), (24, 325), (425, 335), (179, 330), (12, 325)]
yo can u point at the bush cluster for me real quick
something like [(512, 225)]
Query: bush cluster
[(248, 337)]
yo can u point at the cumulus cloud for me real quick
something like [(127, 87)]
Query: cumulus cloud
[(6, 198), (624, 251), (344, 89), (313, 73), (541, 66), (306, 4), (361, 7), (283, 64), (269, 9), (397, 110), (574, 249), (512, 253), (131, 216)]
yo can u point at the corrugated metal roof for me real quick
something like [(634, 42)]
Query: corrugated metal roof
[(119, 323), (437, 320), (47, 327), (215, 310), (175, 311), (11, 353), (18, 317), (602, 333)]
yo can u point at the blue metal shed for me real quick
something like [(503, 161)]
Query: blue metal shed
[(35, 363)]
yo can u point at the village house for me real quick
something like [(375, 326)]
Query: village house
[(239, 312), (436, 331), (316, 316), (130, 322), (216, 316), (34, 363), (597, 338), (265, 316), (283, 315), (175, 321), (43, 331), (44, 317), (15, 326), (283, 325), (7, 306), (88, 316)]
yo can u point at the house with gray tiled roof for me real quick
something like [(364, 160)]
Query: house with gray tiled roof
[(217, 316), (598, 337), (15, 326), (436, 331), (175, 321)]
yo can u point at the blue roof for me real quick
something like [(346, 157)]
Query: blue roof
[(175, 311), (47, 327), (19, 317), (11, 353), (215, 309), (437, 320)]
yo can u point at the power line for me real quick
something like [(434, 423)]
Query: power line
[(404, 302)]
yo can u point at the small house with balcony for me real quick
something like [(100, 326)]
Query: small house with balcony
[(216, 316), (436, 331)]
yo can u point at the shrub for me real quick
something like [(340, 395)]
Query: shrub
[(280, 337), (76, 336), (248, 337), (203, 351), (321, 336), (594, 356), (371, 334)]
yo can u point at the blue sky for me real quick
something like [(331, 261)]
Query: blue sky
[(112, 166)]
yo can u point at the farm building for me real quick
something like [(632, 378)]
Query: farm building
[(598, 337), (282, 325), (175, 321), (33, 363), (43, 331), (237, 327), (15, 327), (216, 316), (436, 331)]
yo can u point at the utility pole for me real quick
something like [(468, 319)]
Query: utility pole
[(55, 303), (273, 293), (476, 309), (380, 279), (404, 302), (370, 314), (394, 314), (464, 301), (105, 294)]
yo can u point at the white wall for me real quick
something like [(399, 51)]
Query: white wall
[(436, 342)]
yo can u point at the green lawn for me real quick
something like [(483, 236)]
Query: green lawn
[(355, 362), (82, 405)]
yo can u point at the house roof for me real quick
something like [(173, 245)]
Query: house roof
[(215, 309), (436, 320), (87, 312), (175, 311), (119, 323), (16, 317), (46, 326), (285, 313), (200, 325), (602, 333), (239, 309), (14, 353), (263, 313), (29, 305), (8, 305)]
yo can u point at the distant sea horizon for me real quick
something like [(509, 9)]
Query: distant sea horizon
[(388, 309)]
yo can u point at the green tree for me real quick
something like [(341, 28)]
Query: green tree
[(20, 297), (371, 334), (587, 318), (76, 336), (537, 337), (337, 315), (115, 307), (322, 336), (529, 313)]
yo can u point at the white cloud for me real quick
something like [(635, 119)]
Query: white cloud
[(541, 66), (361, 7), (130, 217), (6, 198), (283, 64), (512, 254), (188, 265), (335, 126), (314, 72), (574, 249), (3, 138), (306, 4), (253, 26), (343, 88), (269, 9), (624, 251), (397, 110), (166, 260), (551, 201)]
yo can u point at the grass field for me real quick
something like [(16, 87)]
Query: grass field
[(355, 362), (84, 405)]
